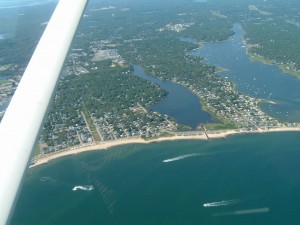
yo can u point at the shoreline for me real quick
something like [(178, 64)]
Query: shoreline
[(103, 146), (262, 59)]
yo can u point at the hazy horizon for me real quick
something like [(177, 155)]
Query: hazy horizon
[(5, 4)]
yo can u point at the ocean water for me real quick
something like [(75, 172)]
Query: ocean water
[(243, 179), (200, 1)]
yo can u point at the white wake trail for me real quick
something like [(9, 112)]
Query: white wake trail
[(84, 188), (244, 212), (184, 157), (222, 203)]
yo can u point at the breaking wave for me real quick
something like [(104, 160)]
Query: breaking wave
[(183, 157), (222, 203), (84, 188)]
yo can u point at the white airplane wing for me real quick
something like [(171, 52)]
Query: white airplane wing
[(24, 116)]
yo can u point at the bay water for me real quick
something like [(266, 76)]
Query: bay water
[(255, 78), (180, 103)]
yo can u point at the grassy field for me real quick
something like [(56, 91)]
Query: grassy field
[(91, 126)]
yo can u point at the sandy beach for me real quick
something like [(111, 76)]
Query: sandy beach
[(136, 140)]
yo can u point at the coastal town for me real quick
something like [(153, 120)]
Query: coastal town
[(150, 112), (241, 112), (7, 89), (101, 102)]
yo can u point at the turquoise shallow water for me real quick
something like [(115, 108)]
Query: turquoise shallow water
[(244, 179)]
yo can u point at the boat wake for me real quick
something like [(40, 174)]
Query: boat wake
[(183, 157), (244, 212), (48, 180), (84, 188), (222, 203)]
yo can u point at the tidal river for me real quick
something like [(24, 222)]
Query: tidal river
[(255, 78)]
